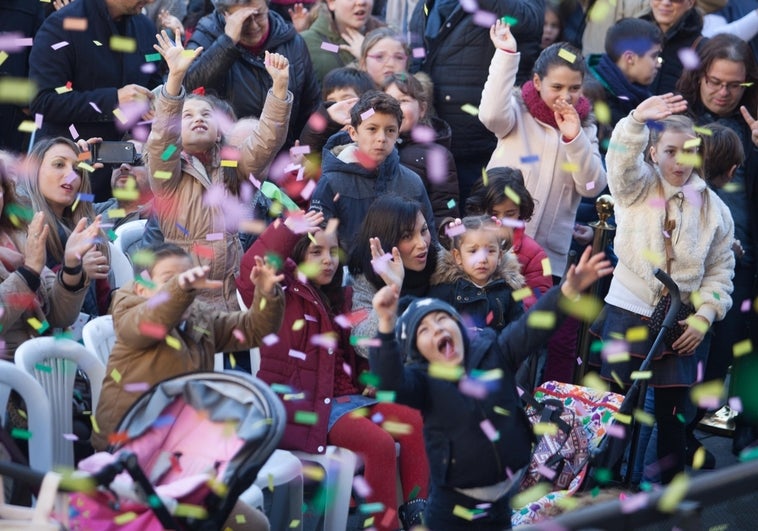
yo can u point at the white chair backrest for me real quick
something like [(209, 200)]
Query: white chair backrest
[(53, 362), (121, 266), (128, 233), (37, 413), (98, 336)]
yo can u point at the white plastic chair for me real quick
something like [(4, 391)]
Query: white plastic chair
[(284, 473), (120, 266), (128, 233), (37, 413), (98, 336), (53, 362)]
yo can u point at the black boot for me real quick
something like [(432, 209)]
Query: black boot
[(412, 513)]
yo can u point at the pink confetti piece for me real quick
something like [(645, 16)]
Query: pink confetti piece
[(591, 185), (38, 120), (239, 335), (59, 45), (328, 341), (367, 114), (310, 318), (456, 230), (657, 202), (692, 195), (634, 503), (699, 372), (308, 189), (255, 181), (709, 402), (297, 354), (73, 132), (13, 42), (745, 306), (377, 418), (70, 437), (230, 153), (519, 390), (136, 387), (369, 342), (271, 339), (148, 68), (616, 430), (348, 370), (578, 360), (71, 177), (157, 299), (515, 223), (735, 403), (300, 150), (423, 134), (689, 58), (94, 106), (436, 164), (419, 53), (469, 6), (361, 486), (547, 472), (214, 236), (489, 430), (472, 388), (330, 47), (484, 18)]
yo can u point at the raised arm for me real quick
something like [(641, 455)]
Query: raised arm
[(497, 109)]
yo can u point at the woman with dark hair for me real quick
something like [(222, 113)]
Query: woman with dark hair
[(28, 288), (398, 224), (722, 89), (313, 356)]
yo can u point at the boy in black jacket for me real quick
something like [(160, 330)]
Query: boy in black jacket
[(478, 443)]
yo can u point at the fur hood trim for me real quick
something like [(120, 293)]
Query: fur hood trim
[(508, 269)]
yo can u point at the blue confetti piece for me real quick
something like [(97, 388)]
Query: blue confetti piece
[(86, 197), (185, 231), (163, 420), (652, 124), (529, 159)]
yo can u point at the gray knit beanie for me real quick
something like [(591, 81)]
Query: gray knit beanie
[(407, 324)]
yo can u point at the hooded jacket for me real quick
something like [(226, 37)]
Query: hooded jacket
[(94, 71), (358, 186), (460, 454), (562, 173), (422, 157), (240, 77), (182, 182), (196, 331), (489, 306)]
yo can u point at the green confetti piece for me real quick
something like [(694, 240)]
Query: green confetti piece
[(170, 150), (748, 454), (385, 396), (43, 368), (19, 433), (150, 57), (19, 211), (306, 417), (369, 508), (509, 20), (147, 283), (370, 379), (681, 418), (451, 204), (414, 493), (154, 501), (603, 475)]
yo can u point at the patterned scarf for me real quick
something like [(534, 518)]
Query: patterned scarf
[(539, 109)]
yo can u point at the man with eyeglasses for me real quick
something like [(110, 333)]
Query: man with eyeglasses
[(234, 38)]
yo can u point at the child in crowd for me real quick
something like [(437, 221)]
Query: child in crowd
[(384, 53), (424, 144), (314, 357), (184, 158), (505, 197), (665, 214), (553, 28), (546, 130), (161, 306), (477, 276), (478, 447), (362, 163)]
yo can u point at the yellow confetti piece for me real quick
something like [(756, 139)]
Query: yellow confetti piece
[(313, 472), (116, 376), (541, 319), (600, 11), (294, 523), (618, 357), (696, 299), (742, 347), (123, 194), (698, 460), (643, 417), (593, 381), (397, 428), (63, 89), (529, 495), (452, 373), (521, 294), (697, 323), (566, 55), (623, 419), (706, 390), (637, 333), (120, 116), (689, 159), (240, 518), (512, 195), (232, 360), (125, 518), (501, 411), (174, 343), (461, 512), (547, 269), (86, 167), (653, 257), (17, 90), (191, 511), (703, 131), (602, 112), (545, 428), (97, 43), (117, 213), (27, 126), (470, 109), (162, 175), (95, 426), (570, 167), (586, 309), (118, 43), (641, 375), (298, 325), (674, 493), (3, 56), (228, 163), (34, 323), (217, 487), (262, 305), (616, 379), (692, 143), (368, 522)]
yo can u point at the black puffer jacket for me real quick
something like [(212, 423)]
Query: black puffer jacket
[(684, 34), (240, 77), (458, 59)]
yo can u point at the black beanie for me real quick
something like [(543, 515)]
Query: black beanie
[(407, 324)]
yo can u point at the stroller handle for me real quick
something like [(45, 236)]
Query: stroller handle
[(676, 300)]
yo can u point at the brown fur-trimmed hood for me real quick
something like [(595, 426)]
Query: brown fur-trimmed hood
[(448, 272)]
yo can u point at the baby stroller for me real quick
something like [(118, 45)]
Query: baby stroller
[(185, 451), (593, 430)]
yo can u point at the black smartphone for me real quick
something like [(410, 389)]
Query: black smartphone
[(114, 152)]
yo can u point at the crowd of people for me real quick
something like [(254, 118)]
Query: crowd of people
[(389, 188)]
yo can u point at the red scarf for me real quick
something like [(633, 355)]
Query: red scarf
[(539, 109)]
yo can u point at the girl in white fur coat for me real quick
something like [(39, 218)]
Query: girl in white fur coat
[(651, 187)]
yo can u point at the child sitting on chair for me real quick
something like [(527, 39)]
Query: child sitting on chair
[(477, 446), (161, 331)]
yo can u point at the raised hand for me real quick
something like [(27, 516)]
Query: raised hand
[(58, 4), (84, 147), (659, 107), (392, 272), (80, 241), (569, 123), (502, 38), (132, 92), (278, 67), (299, 17), (586, 272), (752, 123), (169, 21), (300, 222), (264, 277), (196, 278), (177, 58), (95, 264), (385, 305), (354, 40), (340, 112), (235, 21), (35, 252)]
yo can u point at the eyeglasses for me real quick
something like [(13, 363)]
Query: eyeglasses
[(717, 84), (384, 58)]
